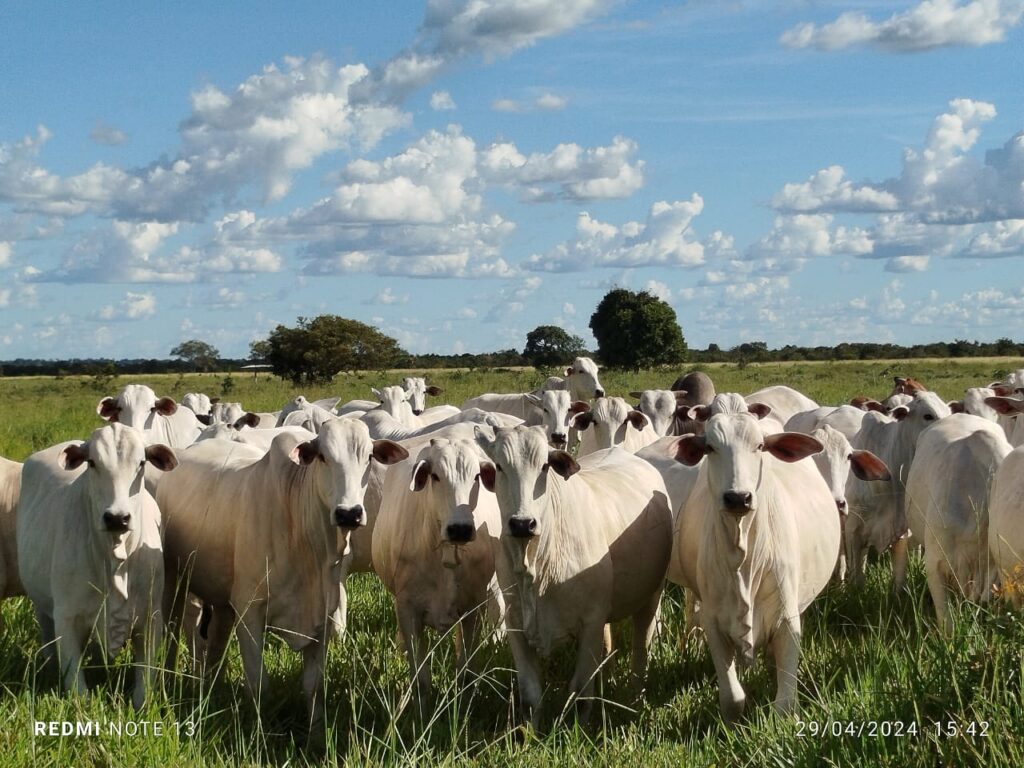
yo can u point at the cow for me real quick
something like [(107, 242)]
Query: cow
[(159, 419), (700, 390), (10, 492), (580, 380), (582, 544), (903, 385), (876, 515), (199, 403), (559, 411), (845, 418), (1009, 410), (418, 390), (662, 407), (383, 425), (973, 402), (757, 542), (88, 536), (397, 402), (433, 547), (784, 401), (311, 414), (947, 505), (226, 413), (1006, 528), (611, 421), (255, 537)]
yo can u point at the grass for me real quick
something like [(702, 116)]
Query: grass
[(867, 656)]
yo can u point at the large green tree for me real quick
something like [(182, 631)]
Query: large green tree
[(318, 348), (202, 356), (636, 330), (548, 345)]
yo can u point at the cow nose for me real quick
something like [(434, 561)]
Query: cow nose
[(116, 522), (598, 393), (738, 501), (558, 438), (522, 527), (461, 533), (417, 412), (348, 517), (841, 506)]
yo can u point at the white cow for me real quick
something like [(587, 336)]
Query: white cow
[(877, 512), (1006, 526), (258, 438), (611, 421), (197, 402), (10, 491), (90, 554), (559, 410), (1009, 410), (525, 406), (226, 413), (312, 414), (254, 536), (159, 420), (397, 402), (383, 425), (433, 547), (785, 402), (947, 505), (580, 380), (974, 403), (418, 390), (757, 542), (582, 545), (661, 407)]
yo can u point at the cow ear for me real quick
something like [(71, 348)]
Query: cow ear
[(204, 418), (484, 439), (583, 420), (563, 463), (867, 466), (533, 397), (690, 449), (420, 473), (956, 406), (305, 453), (699, 413), (161, 457), (637, 419), (568, 371), (874, 405), (579, 406), (250, 420), (1001, 390), (681, 395), (1005, 406), (434, 391), (166, 406), (860, 401), (389, 452), (215, 400), (73, 456), (376, 393), (636, 394), (487, 475), (759, 409), (791, 446), (108, 409), (900, 412)]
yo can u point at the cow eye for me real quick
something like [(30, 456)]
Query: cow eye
[(91, 463), (929, 417), (434, 477), (709, 449), (498, 467), (760, 447), (142, 463), (545, 468)]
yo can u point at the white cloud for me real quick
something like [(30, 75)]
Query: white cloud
[(386, 296), (928, 25), (466, 313), (5, 254), (111, 136), (544, 102), (1004, 238), (828, 190), (658, 289), (568, 309), (900, 264), (441, 101), (134, 306), (550, 102), (665, 238), (806, 236)]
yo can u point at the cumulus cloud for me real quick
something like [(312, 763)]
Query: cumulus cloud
[(109, 135), (664, 239), (930, 24), (828, 190), (900, 264), (387, 297), (134, 306), (441, 101), (807, 236), (1005, 238), (658, 289), (545, 102), (5, 254)]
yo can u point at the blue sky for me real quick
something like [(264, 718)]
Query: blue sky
[(460, 172)]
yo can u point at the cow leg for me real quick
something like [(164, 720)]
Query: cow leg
[(145, 642), (339, 619), (411, 627), (47, 644), (900, 555), (731, 697), (496, 610), (938, 589), (218, 634), (854, 555), (645, 622), (527, 674), (469, 635), (589, 654), (69, 651), (251, 632), (314, 658), (786, 650)]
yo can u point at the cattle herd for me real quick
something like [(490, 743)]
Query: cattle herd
[(534, 518)]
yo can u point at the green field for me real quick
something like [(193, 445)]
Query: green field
[(869, 658)]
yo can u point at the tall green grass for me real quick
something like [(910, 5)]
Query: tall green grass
[(867, 655)]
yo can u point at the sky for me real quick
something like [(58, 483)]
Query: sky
[(458, 172)]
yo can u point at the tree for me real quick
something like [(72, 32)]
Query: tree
[(549, 345), (636, 330), (316, 349), (202, 356)]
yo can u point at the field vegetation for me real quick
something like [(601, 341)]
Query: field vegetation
[(869, 659)]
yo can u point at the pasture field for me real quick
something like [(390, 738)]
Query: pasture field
[(878, 685)]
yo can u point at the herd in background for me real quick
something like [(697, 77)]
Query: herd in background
[(536, 518)]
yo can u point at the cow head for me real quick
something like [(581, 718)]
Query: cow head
[(735, 445), (836, 460), (522, 468), (582, 379), (661, 407), (115, 458), (341, 455), (394, 400), (609, 419), (418, 390), (135, 406), (451, 471), (558, 411)]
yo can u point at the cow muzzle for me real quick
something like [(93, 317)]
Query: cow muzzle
[(841, 506), (522, 527), (416, 412), (558, 439), (738, 502), (349, 517), (460, 533), (116, 522), (598, 393)]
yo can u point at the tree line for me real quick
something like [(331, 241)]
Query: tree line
[(633, 329)]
